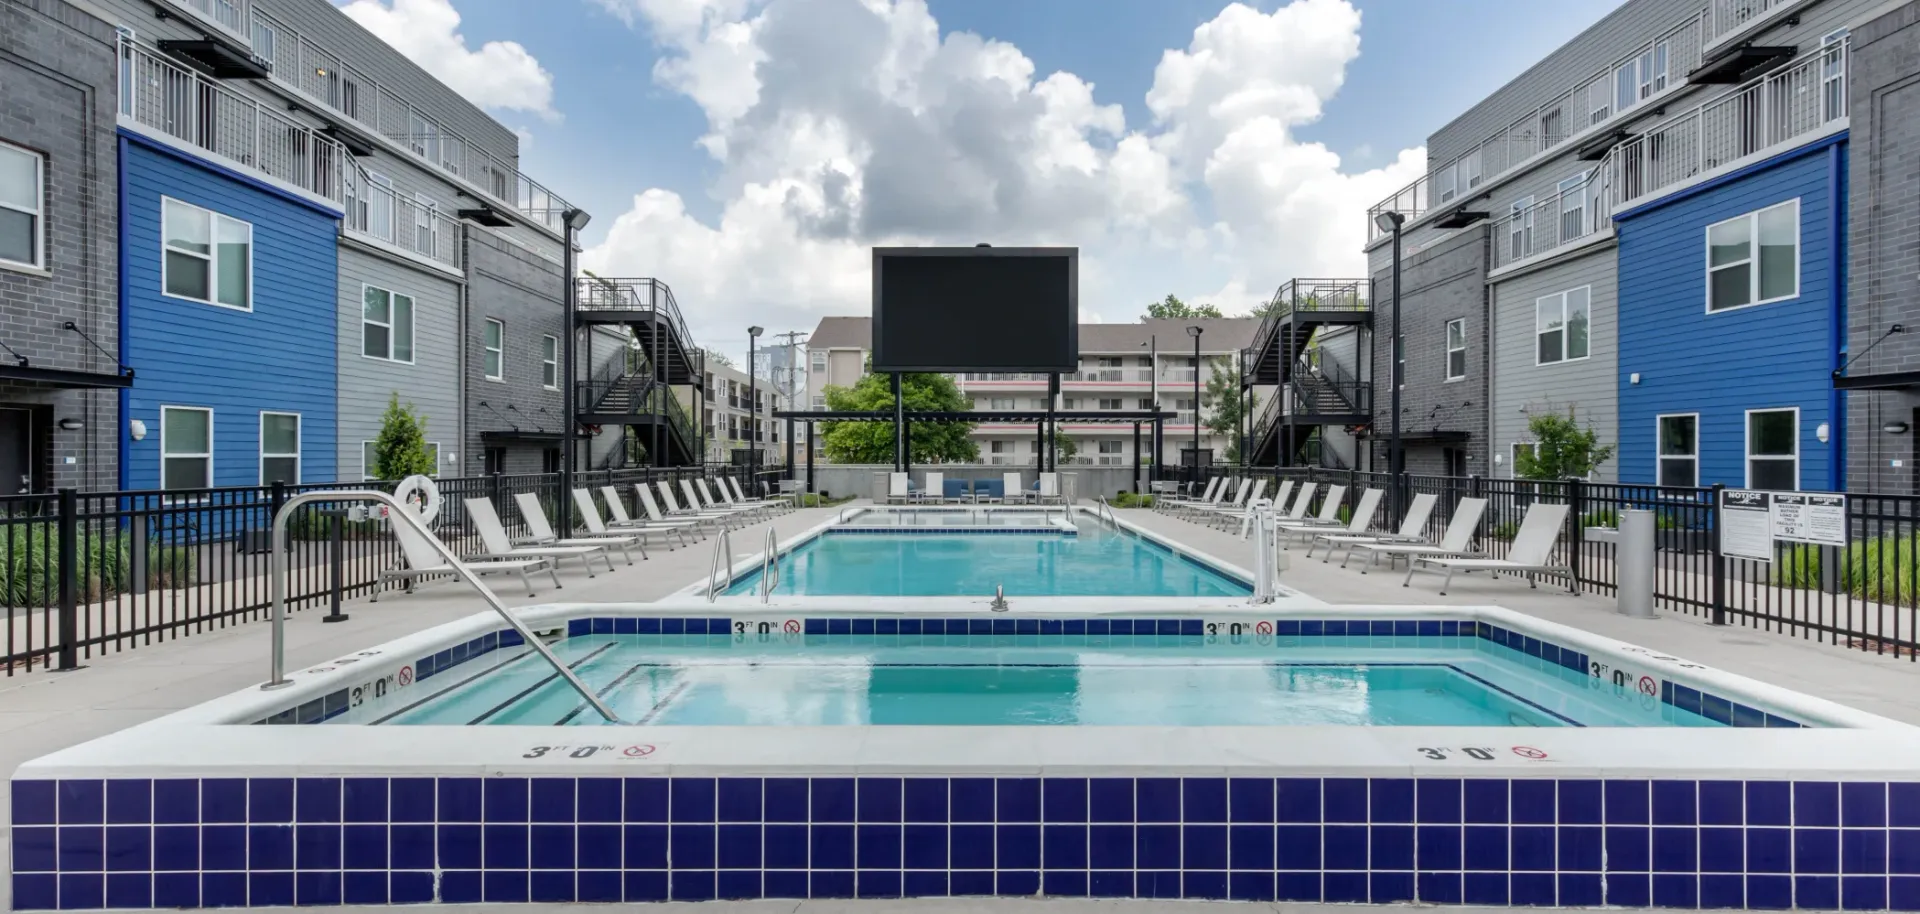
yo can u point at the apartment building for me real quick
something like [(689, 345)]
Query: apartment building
[(1556, 257), (1123, 367), (737, 416), (60, 372)]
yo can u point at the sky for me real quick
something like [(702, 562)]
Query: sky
[(750, 152)]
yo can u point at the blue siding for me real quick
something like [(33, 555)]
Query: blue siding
[(280, 356), (1760, 357)]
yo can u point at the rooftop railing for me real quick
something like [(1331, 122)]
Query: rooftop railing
[(231, 15), (1725, 17), (376, 212), (1568, 215)]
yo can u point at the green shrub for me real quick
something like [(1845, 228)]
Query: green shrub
[(1605, 517), (1131, 500), (30, 566), (1345, 514), (822, 500), (1506, 531), (1884, 569)]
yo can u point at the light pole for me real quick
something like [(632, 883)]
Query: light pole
[(753, 412), (575, 220), (1391, 221), (1153, 385), (1195, 331)]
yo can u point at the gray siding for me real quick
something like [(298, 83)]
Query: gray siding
[(1447, 281), (431, 384), (1588, 388), (58, 78), (1884, 253), (508, 283)]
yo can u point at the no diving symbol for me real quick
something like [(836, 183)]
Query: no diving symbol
[(792, 626), (1528, 752), (1648, 686), (1264, 628), (641, 751), (406, 676)]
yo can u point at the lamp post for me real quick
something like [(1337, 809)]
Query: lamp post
[(753, 412), (1390, 221), (1195, 331), (574, 220), (1152, 346)]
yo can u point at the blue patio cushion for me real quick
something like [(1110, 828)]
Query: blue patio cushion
[(989, 488), (955, 488)]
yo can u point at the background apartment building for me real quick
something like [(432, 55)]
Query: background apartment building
[(738, 417), (1601, 236), (1123, 367)]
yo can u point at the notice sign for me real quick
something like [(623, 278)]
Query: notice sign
[(1810, 517), (1746, 524)]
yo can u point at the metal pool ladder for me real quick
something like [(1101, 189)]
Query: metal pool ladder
[(770, 568), (722, 560), (401, 514), (1106, 510)]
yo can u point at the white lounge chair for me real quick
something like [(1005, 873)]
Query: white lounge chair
[(423, 562), (725, 502), (1410, 531), (698, 523), (1227, 514), (1362, 518), (1279, 499), (1230, 505), (1175, 502), (1010, 490), (704, 506), (1216, 500), (590, 519), (541, 533), (899, 488), (1457, 541), (783, 503), (1531, 555), (497, 545), (1328, 518), (675, 512), (933, 487), (1049, 489)]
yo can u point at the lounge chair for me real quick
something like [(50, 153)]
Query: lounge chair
[(1531, 555), (1048, 489), (782, 503), (985, 490), (1279, 500), (1411, 530), (1328, 518), (1456, 542), (725, 502), (955, 490), (934, 489), (423, 561), (497, 545), (1012, 492), (1227, 514), (542, 532), (1301, 503), (1239, 498), (590, 519), (1362, 517), (706, 505), (1214, 500), (618, 518), (1175, 502), (674, 512), (899, 488)]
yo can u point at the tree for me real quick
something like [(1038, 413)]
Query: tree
[(1223, 391), (400, 450), (1561, 449), (716, 357), (1064, 448), (1172, 308), (872, 442)]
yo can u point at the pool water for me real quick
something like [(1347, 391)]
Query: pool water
[(695, 680), (1100, 561)]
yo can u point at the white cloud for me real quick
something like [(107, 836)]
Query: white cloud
[(499, 75), (840, 124)]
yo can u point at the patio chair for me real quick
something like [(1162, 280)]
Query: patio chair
[(985, 490), (782, 503), (1049, 488), (956, 490), (1411, 528), (1011, 491), (1215, 499), (497, 545), (590, 519), (1362, 517), (934, 489), (899, 488), (542, 532), (1329, 517), (706, 506), (1227, 514), (423, 561), (1175, 502), (618, 518), (725, 502), (1531, 555), (1457, 541), (675, 512)]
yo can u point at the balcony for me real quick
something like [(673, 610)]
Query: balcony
[(164, 98), (376, 213), (1567, 216), (230, 16), (1111, 376), (369, 108), (1728, 18)]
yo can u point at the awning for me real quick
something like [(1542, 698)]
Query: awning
[(1428, 436), (62, 377), (514, 434), (1734, 65), (217, 59), (1889, 380)]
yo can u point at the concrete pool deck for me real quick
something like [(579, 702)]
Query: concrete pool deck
[(44, 712)]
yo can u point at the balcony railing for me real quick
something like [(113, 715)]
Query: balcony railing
[(232, 15), (1561, 219), (1725, 17), (376, 212), (1410, 201), (179, 103), (329, 80), (1003, 376)]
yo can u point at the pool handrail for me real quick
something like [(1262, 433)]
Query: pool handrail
[(722, 559), (769, 568), (400, 513), (1107, 510)]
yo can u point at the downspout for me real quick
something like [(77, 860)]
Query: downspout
[(120, 312), (1837, 309)]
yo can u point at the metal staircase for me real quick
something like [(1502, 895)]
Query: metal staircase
[(630, 395), (1319, 393)]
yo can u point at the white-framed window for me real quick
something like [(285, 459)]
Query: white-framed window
[(1773, 449), (1470, 171), (1833, 75), (1000, 403), (550, 362), (206, 257), (1456, 349), (819, 401), (1599, 101), (426, 233), (1679, 450), (1754, 259), (1520, 228), (424, 138), (1551, 129), (186, 447), (1110, 446), (819, 361), (263, 39), (23, 178), (1561, 324), (279, 448), (1626, 85), (386, 325), (1110, 403), (1444, 186), (493, 360), (1653, 70), (1573, 206), (380, 206), (369, 458)]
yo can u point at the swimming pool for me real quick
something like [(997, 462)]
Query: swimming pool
[(1449, 678), (1100, 560)]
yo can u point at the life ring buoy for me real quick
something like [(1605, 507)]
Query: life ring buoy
[(422, 493)]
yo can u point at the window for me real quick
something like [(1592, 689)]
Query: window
[(1551, 132), (386, 325), (208, 257), (493, 460), (1626, 85), (820, 401), (279, 448), (550, 362), (1069, 403), (1146, 402), (1773, 449), (1111, 362), (1470, 171), (1679, 450), (1113, 403), (1000, 403), (426, 237), (263, 36), (1735, 277), (1520, 228), (1561, 323), (22, 203), (1456, 349), (1653, 70), (1573, 206), (1833, 75), (550, 460), (1110, 447), (368, 460), (186, 447), (1444, 187), (424, 138), (1003, 447), (495, 342), (819, 361), (1598, 107), (380, 206)]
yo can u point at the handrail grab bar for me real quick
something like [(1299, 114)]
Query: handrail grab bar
[(769, 567), (396, 509), (723, 547)]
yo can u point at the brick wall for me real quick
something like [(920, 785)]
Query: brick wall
[(525, 292), (1444, 282)]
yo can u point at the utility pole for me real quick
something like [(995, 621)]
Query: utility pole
[(793, 338)]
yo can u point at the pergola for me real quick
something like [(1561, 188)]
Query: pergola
[(1043, 420)]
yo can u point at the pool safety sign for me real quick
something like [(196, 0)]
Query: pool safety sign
[(1752, 520)]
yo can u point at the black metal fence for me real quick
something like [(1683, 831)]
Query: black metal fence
[(1865, 595), (84, 573)]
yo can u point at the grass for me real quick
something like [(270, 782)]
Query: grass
[(30, 566), (822, 500), (1884, 569)]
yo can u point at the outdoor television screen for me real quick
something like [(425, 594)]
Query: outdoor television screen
[(976, 309)]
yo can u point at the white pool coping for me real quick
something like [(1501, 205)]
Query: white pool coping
[(215, 739)]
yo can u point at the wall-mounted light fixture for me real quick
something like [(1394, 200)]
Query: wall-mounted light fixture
[(137, 430), (1895, 427), (72, 425)]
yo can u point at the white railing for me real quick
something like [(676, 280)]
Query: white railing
[(232, 15), (179, 103), (326, 78), (1560, 219), (1724, 17), (1800, 100), (1002, 376), (1410, 201), (375, 211), (1177, 376)]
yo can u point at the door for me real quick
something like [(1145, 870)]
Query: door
[(493, 460), (16, 449)]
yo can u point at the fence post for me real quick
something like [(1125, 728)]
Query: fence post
[(497, 491), (1473, 486), (68, 546), (1719, 560), (1576, 537)]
